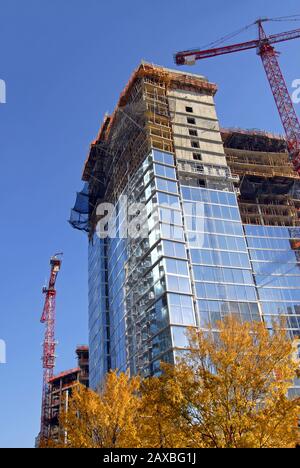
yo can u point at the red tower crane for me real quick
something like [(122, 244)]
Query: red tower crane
[(48, 318), (279, 88)]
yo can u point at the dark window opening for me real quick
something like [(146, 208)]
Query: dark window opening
[(189, 109), (201, 183), (195, 144), (191, 120), (193, 132), (197, 156), (295, 244)]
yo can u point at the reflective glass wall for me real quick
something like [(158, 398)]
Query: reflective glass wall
[(221, 268), (159, 302), (274, 253), (186, 260), (98, 312)]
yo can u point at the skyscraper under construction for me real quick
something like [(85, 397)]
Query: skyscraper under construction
[(220, 226)]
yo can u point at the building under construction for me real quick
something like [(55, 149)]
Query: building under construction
[(221, 220), (61, 387), (268, 187)]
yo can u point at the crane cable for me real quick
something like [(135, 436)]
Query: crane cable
[(223, 39), (286, 18)]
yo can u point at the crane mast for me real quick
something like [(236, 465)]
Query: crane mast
[(275, 77), (49, 344), (281, 95)]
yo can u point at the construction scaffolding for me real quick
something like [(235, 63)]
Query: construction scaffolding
[(141, 121), (269, 188)]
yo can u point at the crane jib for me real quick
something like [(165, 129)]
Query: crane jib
[(275, 77), (198, 54)]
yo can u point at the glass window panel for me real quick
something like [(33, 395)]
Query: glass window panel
[(177, 267), (172, 232), (174, 249), (204, 319), (164, 171), (181, 285), (166, 185), (169, 200), (181, 309), (164, 158), (170, 216), (161, 342), (179, 335)]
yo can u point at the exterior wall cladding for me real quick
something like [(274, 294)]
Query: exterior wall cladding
[(232, 247)]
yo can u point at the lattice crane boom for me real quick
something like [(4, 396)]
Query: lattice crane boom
[(49, 344), (268, 54)]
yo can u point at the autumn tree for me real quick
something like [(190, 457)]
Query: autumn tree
[(159, 425), (228, 390), (231, 387), (106, 419)]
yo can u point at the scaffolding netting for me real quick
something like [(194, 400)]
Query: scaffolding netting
[(79, 218)]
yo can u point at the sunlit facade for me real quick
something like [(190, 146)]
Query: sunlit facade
[(217, 233), (198, 264), (276, 271)]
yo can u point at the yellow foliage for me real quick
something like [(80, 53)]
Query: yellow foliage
[(234, 385), (229, 390), (104, 420), (158, 427)]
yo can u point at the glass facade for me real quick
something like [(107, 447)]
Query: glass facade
[(220, 261), (190, 262), (274, 253), (188, 230), (157, 285), (98, 311)]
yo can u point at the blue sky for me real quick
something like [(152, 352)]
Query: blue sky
[(65, 63)]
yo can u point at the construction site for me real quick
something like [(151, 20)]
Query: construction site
[(260, 166), (57, 389), (160, 168), (164, 148), (144, 118), (268, 187), (61, 387), (163, 144)]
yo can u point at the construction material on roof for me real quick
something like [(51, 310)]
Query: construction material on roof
[(140, 121), (269, 188), (65, 374)]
